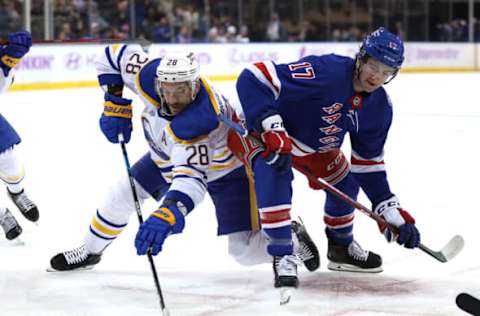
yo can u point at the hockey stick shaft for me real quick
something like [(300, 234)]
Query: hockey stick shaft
[(330, 188), (140, 220)]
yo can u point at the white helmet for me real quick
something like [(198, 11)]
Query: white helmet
[(178, 67)]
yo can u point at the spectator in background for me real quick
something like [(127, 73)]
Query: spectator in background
[(183, 35), (242, 36), (276, 32), (65, 32), (10, 18), (307, 32), (162, 33), (399, 30)]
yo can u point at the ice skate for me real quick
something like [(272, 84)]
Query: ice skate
[(285, 271), (353, 258), (76, 259), (10, 225), (304, 247), (25, 205)]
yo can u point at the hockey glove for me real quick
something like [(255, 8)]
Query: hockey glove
[(166, 220), (116, 118), (277, 144), (408, 234), (18, 45)]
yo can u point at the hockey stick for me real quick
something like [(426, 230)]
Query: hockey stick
[(468, 303), (448, 252), (121, 140)]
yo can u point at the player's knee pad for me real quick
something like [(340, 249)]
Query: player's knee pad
[(331, 166), (11, 169), (118, 204)]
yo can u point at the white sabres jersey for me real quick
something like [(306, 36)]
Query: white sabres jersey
[(190, 149)]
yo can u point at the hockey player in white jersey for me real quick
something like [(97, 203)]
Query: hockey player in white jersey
[(11, 170), (188, 156)]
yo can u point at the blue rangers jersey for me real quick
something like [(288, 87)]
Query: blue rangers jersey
[(190, 149), (318, 105)]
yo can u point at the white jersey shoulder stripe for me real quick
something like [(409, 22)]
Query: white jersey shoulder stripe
[(266, 73)]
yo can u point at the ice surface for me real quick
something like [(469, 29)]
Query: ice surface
[(432, 161)]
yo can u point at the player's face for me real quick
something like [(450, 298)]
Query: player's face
[(177, 95), (373, 75)]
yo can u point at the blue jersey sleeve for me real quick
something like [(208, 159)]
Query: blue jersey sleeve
[(266, 87), (255, 97), (368, 166)]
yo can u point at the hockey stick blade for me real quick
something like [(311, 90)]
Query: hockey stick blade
[(448, 252), (468, 303)]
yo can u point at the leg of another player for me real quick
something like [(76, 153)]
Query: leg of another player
[(274, 193), (112, 216), (12, 174)]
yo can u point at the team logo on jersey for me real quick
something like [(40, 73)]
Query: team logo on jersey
[(356, 101), (147, 131), (333, 108)]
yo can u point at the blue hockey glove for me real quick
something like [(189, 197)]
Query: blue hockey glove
[(277, 144), (408, 234), (18, 45), (116, 118), (166, 220)]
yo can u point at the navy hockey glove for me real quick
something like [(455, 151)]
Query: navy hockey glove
[(166, 220), (18, 45), (408, 234), (116, 118), (277, 144)]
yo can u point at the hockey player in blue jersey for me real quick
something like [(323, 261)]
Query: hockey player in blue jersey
[(11, 169), (302, 112), (188, 157)]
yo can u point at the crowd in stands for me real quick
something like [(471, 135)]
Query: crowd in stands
[(169, 21)]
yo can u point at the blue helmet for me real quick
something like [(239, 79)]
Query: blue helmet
[(384, 46)]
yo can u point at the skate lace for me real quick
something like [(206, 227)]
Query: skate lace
[(357, 252), (24, 202), (304, 252), (287, 265), (76, 255), (7, 221), (301, 249)]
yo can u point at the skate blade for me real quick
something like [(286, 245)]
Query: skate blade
[(50, 269), (285, 295), (18, 242), (343, 267)]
